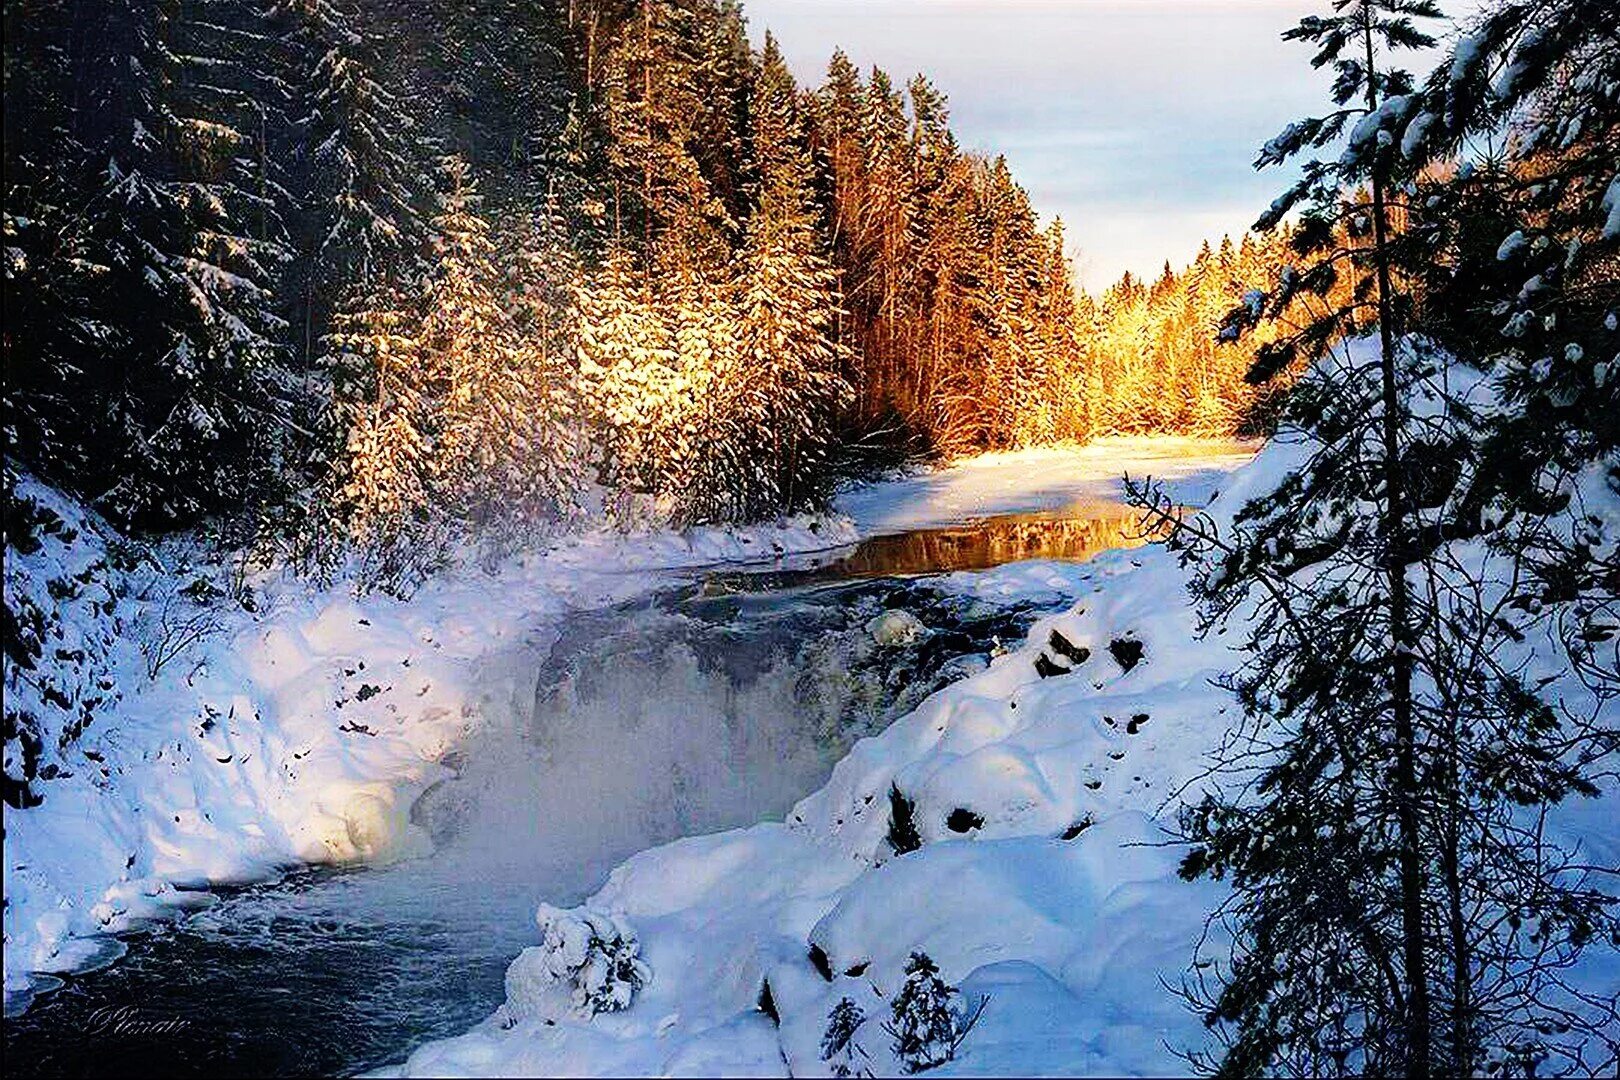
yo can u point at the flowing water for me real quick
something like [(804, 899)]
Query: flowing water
[(712, 705)]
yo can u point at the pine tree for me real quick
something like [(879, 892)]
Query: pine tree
[(788, 302), (360, 173), (540, 269), (655, 111), (1397, 1032), (925, 1027), (141, 350), (630, 381), (1520, 254), (488, 400), (384, 484), (1373, 829)]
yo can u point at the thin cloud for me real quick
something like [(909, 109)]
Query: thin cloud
[(1136, 121)]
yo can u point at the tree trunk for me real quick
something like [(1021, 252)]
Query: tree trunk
[(1392, 525)]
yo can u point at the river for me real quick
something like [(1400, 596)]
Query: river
[(710, 705)]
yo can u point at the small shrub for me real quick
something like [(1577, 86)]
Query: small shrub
[(838, 1046), (926, 1028), (589, 963), (903, 834)]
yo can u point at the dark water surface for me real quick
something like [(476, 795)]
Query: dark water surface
[(704, 707)]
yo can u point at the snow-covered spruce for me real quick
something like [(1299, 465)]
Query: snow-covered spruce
[(839, 1047), (588, 963), (925, 1022)]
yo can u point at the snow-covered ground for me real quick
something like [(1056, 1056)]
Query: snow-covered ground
[(1043, 884), (302, 732), (1024, 481)]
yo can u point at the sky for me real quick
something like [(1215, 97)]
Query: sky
[(1136, 121)]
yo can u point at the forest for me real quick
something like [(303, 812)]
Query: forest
[(352, 286), (375, 275)]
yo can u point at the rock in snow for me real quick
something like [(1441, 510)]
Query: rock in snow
[(896, 628)]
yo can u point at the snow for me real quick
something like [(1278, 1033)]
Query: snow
[(303, 732), (1033, 480), (299, 734), (1375, 124), (895, 627), (1055, 895), (1412, 143), (1464, 56)]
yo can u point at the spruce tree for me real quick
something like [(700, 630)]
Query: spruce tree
[(788, 301), (488, 401), (838, 1045), (142, 343), (1377, 813)]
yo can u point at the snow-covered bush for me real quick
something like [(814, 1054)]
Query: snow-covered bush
[(588, 963), (926, 1027), (838, 1046)]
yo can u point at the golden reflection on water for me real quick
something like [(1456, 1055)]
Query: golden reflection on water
[(1074, 533)]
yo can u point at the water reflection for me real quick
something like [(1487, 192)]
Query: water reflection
[(1074, 533)]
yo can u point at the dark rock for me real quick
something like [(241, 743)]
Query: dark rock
[(818, 960), (1076, 829), (767, 1003), (1046, 669), (963, 820), (1075, 654), (1127, 652)]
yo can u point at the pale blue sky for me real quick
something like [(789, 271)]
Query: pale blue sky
[(1137, 121)]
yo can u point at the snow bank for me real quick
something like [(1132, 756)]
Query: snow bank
[(1042, 880), (298, 733), (1038, 789), (1031, 480)]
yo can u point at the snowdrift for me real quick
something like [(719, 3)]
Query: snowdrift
[(177, 740), (1033, 865)]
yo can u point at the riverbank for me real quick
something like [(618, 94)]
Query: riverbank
[(227, 745), (1031, 481), (1037, 795), (1017, 828), (190, 741)]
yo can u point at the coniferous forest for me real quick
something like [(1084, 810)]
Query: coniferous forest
[(386, 270), (361, 353)]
